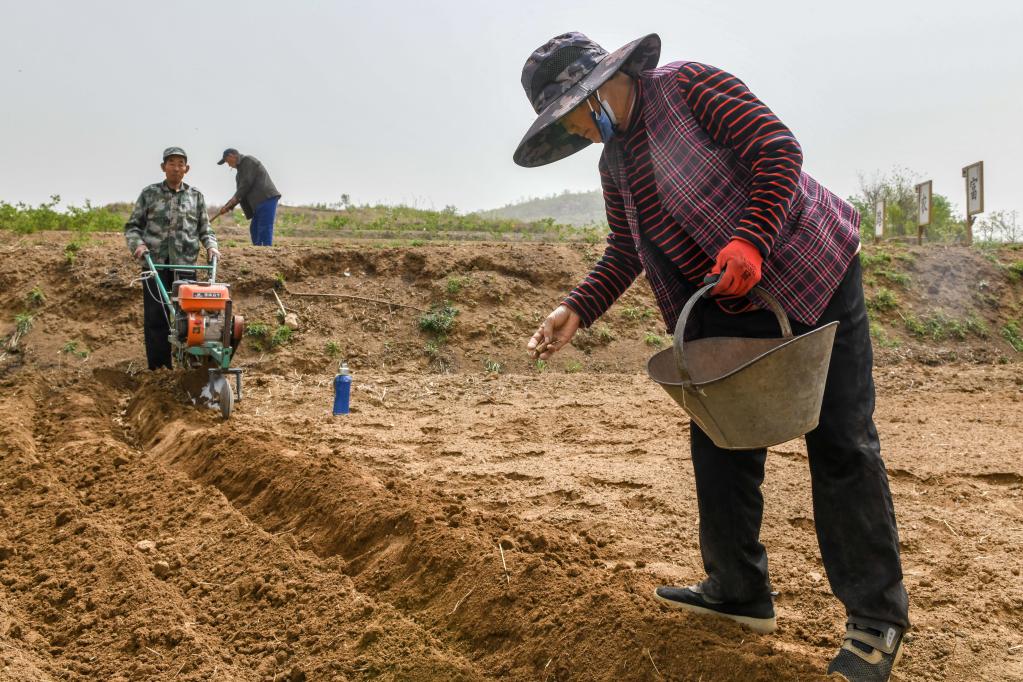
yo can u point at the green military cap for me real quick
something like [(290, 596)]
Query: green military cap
[(174, 151)]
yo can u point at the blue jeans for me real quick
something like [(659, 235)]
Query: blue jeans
[(261, 229)]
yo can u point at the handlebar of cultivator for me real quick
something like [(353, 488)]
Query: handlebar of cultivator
[(154, 268), (212, 267)]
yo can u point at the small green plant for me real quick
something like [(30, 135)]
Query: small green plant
[(71, 250), (1014, 335), (440, 319), (71, 348), (417, 242), (433, 348), (333, 349), (36, 297), (456, 284), (540, 366), (977, 327), (282, 335), (634, 312), (259, 333), (899, 278), (938, 326), (914, 325), (603, 333), (493, 366), (257, 329), (231, 244), (1014, 271), (279, 282), (870, 260), (653, 339), (878, 333), (573, 366), (883, 300), (23, 323)]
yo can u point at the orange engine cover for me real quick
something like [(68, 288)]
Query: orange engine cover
[(196, 329), (209, 297)]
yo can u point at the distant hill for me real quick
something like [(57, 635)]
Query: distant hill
[(568, 208)]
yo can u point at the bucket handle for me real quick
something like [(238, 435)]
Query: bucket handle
[(683, 319)]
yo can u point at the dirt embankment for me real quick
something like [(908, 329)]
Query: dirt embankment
[(460, 524)]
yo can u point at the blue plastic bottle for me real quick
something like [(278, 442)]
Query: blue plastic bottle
[(342, 389)]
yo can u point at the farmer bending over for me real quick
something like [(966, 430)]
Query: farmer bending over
[(169, 221), (255, 192), (700, 178)]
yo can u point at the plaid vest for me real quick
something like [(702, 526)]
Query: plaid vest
[(705, 188)]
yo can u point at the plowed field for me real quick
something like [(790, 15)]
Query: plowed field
[(460, 524)]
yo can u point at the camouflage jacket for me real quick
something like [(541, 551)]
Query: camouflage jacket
[(171, 224)]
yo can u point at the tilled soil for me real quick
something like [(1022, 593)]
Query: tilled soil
[(456, 526)]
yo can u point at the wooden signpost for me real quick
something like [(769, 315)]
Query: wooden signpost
[(923, 209), (879, 219), (974, 176)]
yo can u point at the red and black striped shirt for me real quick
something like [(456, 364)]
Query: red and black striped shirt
[(733, 117)]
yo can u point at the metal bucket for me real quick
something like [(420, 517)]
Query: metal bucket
[(747, 393)]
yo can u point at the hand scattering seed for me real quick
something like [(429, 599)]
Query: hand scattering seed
[(543, 346)]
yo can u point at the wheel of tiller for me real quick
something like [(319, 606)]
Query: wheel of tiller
[(225, 397)]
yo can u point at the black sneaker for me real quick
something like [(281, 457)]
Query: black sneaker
[(870, 651), (757, 615)]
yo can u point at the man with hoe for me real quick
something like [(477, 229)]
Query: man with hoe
[(169, 222), (255, 192), (701, 178)]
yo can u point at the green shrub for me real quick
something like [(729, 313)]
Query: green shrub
[(883, 300), (573, 366), (71, 250), (440, 319), (71, 348), (899, 278), (433, 347), (1014, 335), (938, 326), (878, 333), (257, 330), (25, 219), (637, 313), (493, 366), (36, 297), (603, 333), (23, 323), (455, 285), (282, 335), (977, 327), (869, 260), (653, 339), (333, 349)]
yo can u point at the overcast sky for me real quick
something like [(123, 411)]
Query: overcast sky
[(420, 102)]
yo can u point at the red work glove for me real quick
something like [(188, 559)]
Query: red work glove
[(739, 266)]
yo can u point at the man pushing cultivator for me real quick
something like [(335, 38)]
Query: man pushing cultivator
[(169, 222), (701, 179)]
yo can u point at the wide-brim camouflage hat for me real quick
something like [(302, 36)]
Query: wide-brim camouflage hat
[(559, 76)]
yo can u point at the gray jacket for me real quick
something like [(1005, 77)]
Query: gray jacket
[(254, 184)]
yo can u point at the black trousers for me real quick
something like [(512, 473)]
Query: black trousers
[(852, 505), (155, 322)]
